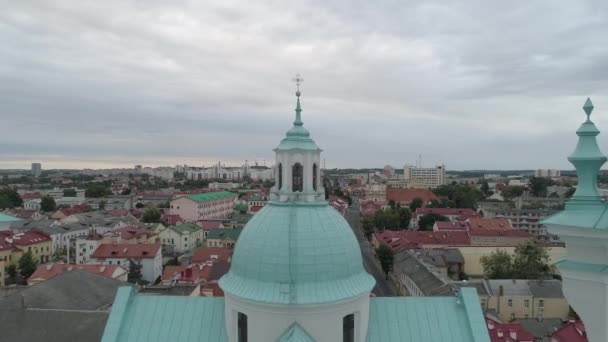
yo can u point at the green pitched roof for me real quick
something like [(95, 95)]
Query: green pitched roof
[(8, 218), (211, 196), (428, 319), (225, 234), (146, 318), (187, 227), (295, 333)]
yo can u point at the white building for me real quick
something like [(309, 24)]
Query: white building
[(183, 237), (149, 256), (33, 204), (547, 173), (425, 177), (217, 171)]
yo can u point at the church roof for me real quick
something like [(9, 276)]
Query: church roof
[(298, 137), (297, 253), (295, 333), (150, 318)]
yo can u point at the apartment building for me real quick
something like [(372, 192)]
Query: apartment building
[(425, 177), (204, 206)]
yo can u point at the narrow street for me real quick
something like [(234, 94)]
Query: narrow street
[(383, 288)]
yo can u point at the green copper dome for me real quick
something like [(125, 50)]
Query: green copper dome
[(297, 253)]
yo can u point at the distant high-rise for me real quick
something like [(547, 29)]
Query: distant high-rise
[(547, 173), (138, 169), (422, 177), (36, 169)]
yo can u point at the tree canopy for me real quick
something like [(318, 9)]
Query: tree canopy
[(386, 257), (462, 196), (9, 198), (97, 190), (151, 215), (416, 203), (69, 192), (134, 276), (27, 265), (47, 204), (427, 221), (538, 186), (530, 261), (512, 191)]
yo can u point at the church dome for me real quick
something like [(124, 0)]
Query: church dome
[(297, 253)]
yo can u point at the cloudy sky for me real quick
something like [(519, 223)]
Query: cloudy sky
[(473, 84)]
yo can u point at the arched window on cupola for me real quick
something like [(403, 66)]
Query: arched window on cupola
[(314, 177), (348, 328), (297, 177), (280, 176)]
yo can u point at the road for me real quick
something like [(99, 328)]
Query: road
[(383, 288)]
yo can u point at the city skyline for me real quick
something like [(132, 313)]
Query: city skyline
[(489, 86)]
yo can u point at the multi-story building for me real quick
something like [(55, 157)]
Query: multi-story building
[(13, 245), (149, 256), (182, 237), (217, 171), (36, 169), (523, 219), (204, 206), (426, 177), (547, 173), (222, 237)]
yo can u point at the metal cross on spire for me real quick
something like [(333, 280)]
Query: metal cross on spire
[(298, 80)]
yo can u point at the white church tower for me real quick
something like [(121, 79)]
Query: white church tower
[(297, 272)]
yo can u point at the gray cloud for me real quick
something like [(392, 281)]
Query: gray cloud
[(472, 84)]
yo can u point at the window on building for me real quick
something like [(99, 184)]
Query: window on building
[(348, 328), (483, 303), (510, 303), (314, 177), (526, 303), (280, 176), (297, 177), (512, 316), (541, 303), (242, 327)]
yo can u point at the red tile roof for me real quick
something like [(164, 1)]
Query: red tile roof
[(508, 332), (447, 226), (406, 195), (573, 331), (30, 237), (489, 224), (187, 274), (131, 232), (119, 212), (501, 233), (214, 289), (73, 210), (30, 196), (48, 271), (214, 254), (466, 212), (172, 219), (211, 224), (256, 208), (403, 239), (133, 251)]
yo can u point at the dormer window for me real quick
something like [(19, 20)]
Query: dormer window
[(297, 177)]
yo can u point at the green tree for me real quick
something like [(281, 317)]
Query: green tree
[(9, 198), (69, 193), (47, 204), (139, 205), (570, 192), (538, 186), (509, 192), (172, 262), (97, 190), (461, 196), (151, 215), (387, 219), (426, 222), (415, 204), (27, 265), (102, 204), (11, 270), (531, 261), (497, 265), (368, 227), (386, 258), (405, 215), (134, 276), (485, 187)]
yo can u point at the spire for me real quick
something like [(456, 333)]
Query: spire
[(587, 159), (298, 80)]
